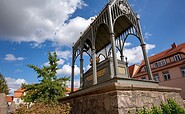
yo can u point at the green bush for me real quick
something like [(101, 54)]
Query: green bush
[(171, 107), (41, 108), (156, 110)]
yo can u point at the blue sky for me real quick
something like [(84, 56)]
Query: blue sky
[(31, 29)]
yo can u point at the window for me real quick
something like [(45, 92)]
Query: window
[(177, 57), (166, 75), (17, 100), (156, 77), (143, 69), (155, 65), (163, 62), (183, 70), (143, 78), (159, 63)]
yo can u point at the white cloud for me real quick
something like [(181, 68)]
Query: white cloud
[(14, 84), (37, 45), (135, 54), (70, 32), (18, 71), (11, 57), (64, 54), (149, 47), (127, 44), (38, 21), (60, 62), (87, 68), (46, 64), (101, 58), (147, 35), (76, 83), (66, 70)]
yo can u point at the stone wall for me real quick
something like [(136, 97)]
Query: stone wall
[(3, 104), (95, 104), (132, 100), (119, 99)]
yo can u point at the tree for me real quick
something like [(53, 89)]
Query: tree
[(50, 88), (3, 85)]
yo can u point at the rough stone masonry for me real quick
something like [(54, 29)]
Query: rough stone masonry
[(116, 98), (3, 104)]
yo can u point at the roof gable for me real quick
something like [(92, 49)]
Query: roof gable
[(164, 54)]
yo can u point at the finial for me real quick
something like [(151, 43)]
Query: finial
[(126, 62), (138, 16)]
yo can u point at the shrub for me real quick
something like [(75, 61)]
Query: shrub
[(156, 110), (174, 108), (171, 107), (143, 111), (41, 108)]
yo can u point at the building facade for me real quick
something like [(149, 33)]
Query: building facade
[(9, 99), (168, 67), (17, 96)]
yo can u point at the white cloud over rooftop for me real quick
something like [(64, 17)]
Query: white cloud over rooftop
[(14, 84)]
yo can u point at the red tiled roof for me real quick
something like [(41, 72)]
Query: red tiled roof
[(9, 98), (164, 54), (69, 90), (20, 90), (178, 49), (18, 93)]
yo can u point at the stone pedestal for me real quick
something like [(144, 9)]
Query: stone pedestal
[(3, 104), (119, 98)]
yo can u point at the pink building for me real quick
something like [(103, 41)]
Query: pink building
[(17, 96), (168, 67)]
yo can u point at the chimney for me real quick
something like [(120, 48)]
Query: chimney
[(174, 46)]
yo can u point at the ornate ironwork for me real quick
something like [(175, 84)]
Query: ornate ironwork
[(109, 32)]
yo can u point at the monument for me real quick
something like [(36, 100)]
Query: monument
[(108, 33), (106, 87)]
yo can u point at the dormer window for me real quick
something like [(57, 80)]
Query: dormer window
[(159, 63), (143, 69), (177, 57), (155, 65)]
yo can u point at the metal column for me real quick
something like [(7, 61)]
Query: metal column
[(81, 71), (94, 59), (94, 66), (112, 38), (143, 46), (72, 74), (147, 63)]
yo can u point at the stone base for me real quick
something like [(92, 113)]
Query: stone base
[(119, 98), (3, 104)]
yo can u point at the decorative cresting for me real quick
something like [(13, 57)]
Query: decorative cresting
[(106, 34)]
